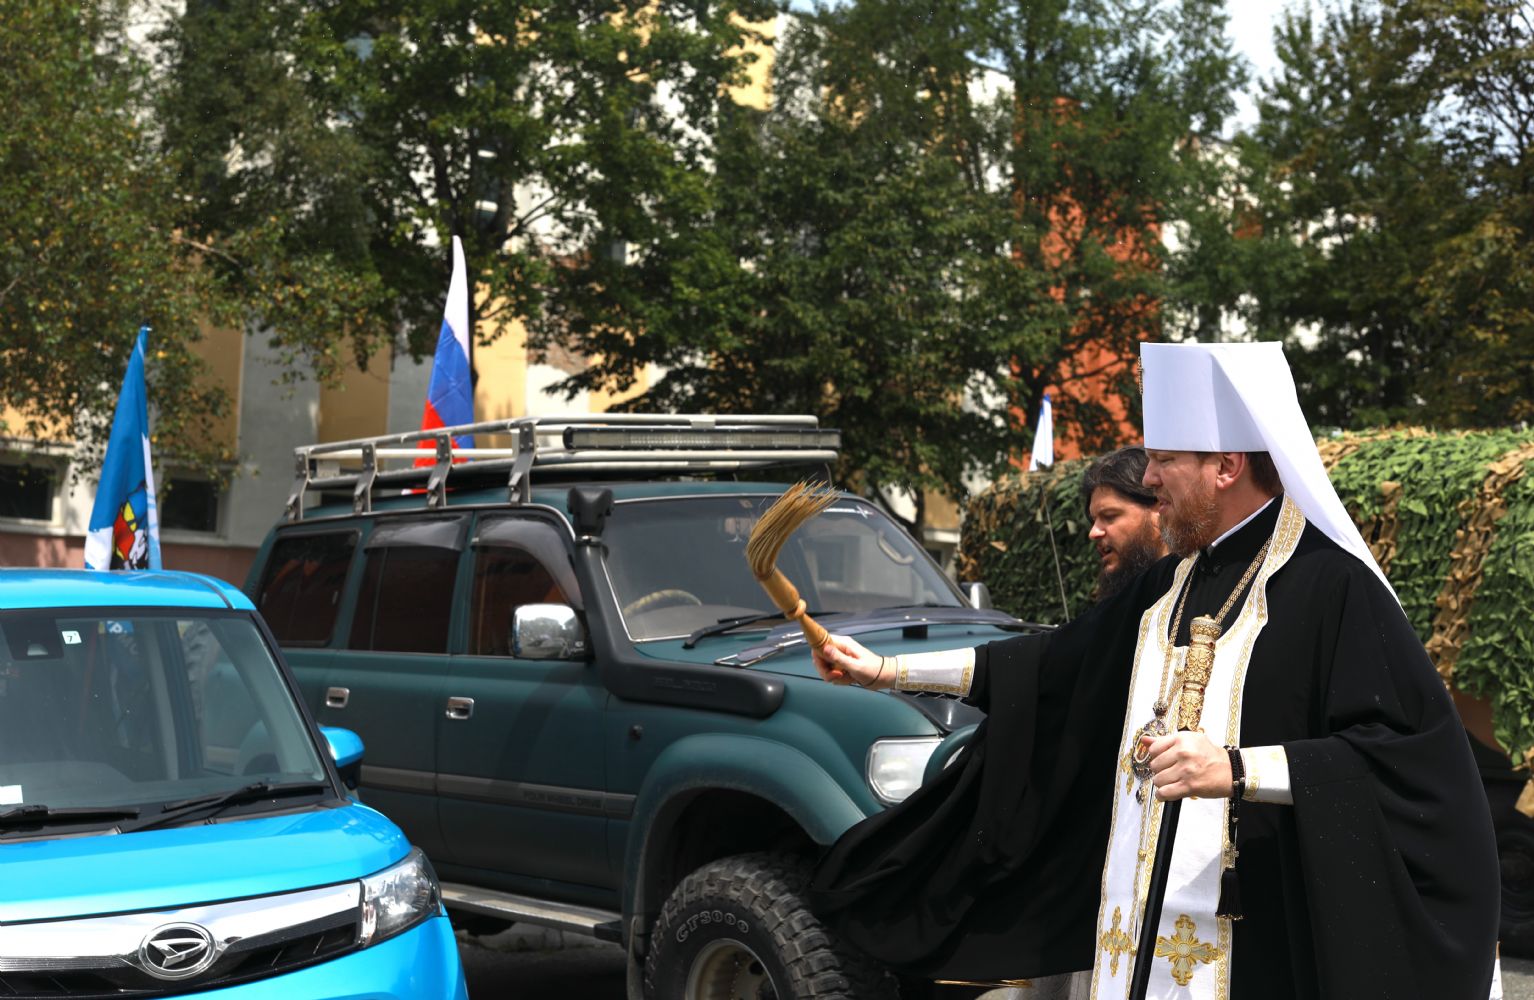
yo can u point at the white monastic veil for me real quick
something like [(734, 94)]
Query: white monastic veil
[(1240, 397)]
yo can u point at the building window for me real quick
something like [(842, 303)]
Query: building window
[(189, 505), (26, 492)]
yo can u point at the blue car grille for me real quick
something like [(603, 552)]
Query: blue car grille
[(161, 953), (128, 982)]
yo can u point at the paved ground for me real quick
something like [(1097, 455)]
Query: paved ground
[(541, 965), (1517, 979), (535, 964)]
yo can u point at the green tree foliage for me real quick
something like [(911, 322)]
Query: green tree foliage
[(1385, 209), (941, 206), (331, 148), (1114, 105), (89, 239)]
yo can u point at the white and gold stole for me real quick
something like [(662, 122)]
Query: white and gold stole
[(1193, 946)]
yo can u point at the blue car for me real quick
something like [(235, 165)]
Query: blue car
[(172, 822)]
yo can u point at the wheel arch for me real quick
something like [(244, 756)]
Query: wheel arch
[(712, 795)]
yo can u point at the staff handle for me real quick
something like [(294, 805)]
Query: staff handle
[(1197, 669)]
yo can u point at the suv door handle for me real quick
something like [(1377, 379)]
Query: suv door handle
[(460, 708), (337, 697)]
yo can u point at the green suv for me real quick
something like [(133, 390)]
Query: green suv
[(579, 702)]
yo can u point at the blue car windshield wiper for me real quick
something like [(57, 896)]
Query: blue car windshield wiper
[(173, 811), (740, 621), (38, 814)]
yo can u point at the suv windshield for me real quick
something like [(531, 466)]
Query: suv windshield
[(679, 565), (140, 709)]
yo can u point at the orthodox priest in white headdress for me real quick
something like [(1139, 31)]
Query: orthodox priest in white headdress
[(1334, 838)]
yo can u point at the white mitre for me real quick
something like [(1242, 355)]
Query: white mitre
[(1240, 397)]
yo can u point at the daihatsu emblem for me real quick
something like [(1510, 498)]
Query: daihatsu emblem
[(177, 951)]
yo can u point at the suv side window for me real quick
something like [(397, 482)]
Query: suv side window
[(300, 594), (517, 561), (406, 601)]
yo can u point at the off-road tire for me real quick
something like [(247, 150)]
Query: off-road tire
[(753, 906), (1515, 853)]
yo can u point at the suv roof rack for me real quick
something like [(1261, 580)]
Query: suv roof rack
[(599, 443)]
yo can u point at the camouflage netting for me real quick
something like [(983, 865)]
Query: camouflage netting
[(1450, 517)]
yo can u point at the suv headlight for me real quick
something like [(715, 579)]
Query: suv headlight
[(398, 898), (895, 767)]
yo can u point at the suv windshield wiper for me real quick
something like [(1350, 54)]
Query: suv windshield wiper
[(38, 814), (172, 811), (740, 621)]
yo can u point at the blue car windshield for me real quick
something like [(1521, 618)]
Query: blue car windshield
[(679, 564), (141, 709)]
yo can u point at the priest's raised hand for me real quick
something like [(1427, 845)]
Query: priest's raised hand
[(845, 661)]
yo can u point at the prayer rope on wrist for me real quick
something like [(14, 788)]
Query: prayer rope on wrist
[(882, 661)]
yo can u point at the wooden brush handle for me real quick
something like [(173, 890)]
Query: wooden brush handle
[(786, 597)]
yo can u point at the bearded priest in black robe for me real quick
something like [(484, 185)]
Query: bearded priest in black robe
[(1334, 838)]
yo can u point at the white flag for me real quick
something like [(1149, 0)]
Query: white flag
[(1043, 439)]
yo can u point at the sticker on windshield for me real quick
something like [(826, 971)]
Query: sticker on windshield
[(860, 511), (71, 637), (10, 795)]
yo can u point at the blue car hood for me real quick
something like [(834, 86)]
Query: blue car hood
[(161, 869)]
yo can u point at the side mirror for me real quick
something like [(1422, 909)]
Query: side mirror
[(978, 595), (346, 751), (547, 632)]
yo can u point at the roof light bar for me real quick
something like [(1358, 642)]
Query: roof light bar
[(679, 439)]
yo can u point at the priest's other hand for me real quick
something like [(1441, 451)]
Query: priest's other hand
[(1187, 765), (845, 661)]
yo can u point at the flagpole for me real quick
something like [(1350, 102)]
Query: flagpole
[(1043, 457), (1055, 550)]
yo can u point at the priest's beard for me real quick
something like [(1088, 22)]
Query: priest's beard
[(1187, 525), (1135, 557)]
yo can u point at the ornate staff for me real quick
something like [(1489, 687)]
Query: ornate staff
[(798, 504), (1202, 633)]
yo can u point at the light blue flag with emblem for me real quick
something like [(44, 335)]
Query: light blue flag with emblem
[(124, 530)]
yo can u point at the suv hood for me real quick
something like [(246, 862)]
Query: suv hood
[(161, 869)]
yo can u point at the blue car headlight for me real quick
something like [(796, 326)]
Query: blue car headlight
[(399, 897)]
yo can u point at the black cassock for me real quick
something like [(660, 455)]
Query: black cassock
[(1381, 880)]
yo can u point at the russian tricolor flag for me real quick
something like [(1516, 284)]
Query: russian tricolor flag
[(450, 397), (124, 529)]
